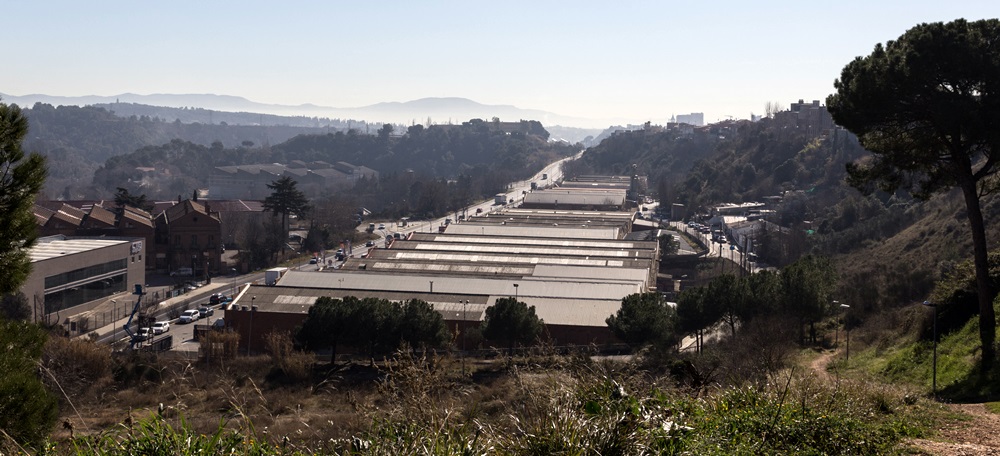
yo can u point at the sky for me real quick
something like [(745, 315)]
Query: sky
[(634, 61)]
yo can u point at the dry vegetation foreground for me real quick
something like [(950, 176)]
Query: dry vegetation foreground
[(536, 403), (968, 430)]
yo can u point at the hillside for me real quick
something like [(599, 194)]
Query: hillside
[(77, 141), (890, 248), (480, 158)]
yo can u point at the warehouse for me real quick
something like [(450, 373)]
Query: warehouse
[(70, 275)]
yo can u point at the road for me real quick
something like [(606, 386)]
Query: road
[(715, 249), (190, 300), (515, 192)]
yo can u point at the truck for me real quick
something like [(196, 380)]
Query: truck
[(271, 276), (500, 198), (534, 185)]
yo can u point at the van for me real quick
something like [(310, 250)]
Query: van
[(182, 272)]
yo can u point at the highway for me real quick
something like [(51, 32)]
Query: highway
[(515, 192)]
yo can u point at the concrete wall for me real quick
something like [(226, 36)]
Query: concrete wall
[(34, 287)]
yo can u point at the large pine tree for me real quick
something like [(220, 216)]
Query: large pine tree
[(21, 178), (286, 199)]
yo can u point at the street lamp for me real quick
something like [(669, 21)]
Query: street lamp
[(934, 375), (515, 292), (253, 309), (464, 329), (114, 324), (847, 330), (232, 283)]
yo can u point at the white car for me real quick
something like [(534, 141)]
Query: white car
[(161, 327), (189, 316)]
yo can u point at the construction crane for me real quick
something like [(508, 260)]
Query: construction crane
[(134, 337)]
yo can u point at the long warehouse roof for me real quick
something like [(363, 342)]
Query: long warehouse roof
[(458, 285), (534, 231)]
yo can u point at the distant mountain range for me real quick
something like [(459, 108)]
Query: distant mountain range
[(438, 110)]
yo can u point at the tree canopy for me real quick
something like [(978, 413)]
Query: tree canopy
[(21, 178), (286, 199), (374, 324), (927, 106), (645, 319), (513, 322)]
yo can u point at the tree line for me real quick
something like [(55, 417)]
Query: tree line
[(378, 326), (804, 290)]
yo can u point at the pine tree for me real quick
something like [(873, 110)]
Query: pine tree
[(21, 178)]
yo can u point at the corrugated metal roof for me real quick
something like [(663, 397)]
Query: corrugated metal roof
[(571, 312), (549, 270), (457, 285), (523, 250), (480, 269), (488, 258), (534, 231), (552, 242), (59, 246), (576, 198)]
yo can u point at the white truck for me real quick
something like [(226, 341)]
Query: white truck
[(272, 275)]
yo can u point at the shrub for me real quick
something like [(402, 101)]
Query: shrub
[(75, 364), (287, 364), (27, 408), (216, 346)]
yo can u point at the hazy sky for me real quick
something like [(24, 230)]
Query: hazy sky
[(633, 60)]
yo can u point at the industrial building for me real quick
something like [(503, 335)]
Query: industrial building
[(72, 275), (572, 265)]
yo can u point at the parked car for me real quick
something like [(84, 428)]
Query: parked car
[(182, 272), (143, 334), (312, 261), (381, 226), (161, 327), (217, 298), (188, 316), (205, 312), (370, 244)]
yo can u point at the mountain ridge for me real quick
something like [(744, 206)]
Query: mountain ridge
[(401, 112)]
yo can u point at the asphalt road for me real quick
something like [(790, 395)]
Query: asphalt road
[(515, 192)]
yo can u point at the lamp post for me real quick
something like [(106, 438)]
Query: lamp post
[(253, 309), (466, 326), (934, 368), (232, 284), (515, 292), (847, 330), (114, 323)]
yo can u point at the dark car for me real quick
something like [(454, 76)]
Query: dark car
[(205, 312), (216, 298)]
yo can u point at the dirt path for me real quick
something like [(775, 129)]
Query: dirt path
[(820, 363), (979, 435)]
